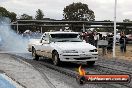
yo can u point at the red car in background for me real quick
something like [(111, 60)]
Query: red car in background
[(129, 37)]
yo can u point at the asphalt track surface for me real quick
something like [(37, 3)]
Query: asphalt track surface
[(67, 72)]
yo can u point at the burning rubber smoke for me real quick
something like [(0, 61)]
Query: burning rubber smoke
[(10, 40)]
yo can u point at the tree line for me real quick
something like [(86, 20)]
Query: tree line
[(73, 12), (13, 16)]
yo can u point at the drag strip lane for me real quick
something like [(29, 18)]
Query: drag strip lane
[(70, 69)]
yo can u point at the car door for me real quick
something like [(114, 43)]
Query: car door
[(45, 48), (40, 47), (48, 48)]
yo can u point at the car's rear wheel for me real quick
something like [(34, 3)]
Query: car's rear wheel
[(34, 55), (90, 63), (55, 57)]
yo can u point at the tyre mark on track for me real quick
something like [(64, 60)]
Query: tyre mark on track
[(38, 68), (71, 72)]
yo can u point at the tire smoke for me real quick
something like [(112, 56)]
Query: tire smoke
[(10, 40)]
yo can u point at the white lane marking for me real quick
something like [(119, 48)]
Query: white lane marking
[(11, 81)]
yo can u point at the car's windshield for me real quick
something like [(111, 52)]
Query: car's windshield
[(65, 38)]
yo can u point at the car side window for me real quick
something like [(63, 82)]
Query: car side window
[(42, 38), (45, 37)]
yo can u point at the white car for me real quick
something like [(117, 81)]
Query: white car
[(63, 46), (117, 37)]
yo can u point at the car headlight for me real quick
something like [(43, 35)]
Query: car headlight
[(94, 50), (70, 51)]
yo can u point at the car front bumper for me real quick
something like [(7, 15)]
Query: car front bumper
[(81, 57)]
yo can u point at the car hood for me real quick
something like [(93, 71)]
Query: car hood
[(74, 46)]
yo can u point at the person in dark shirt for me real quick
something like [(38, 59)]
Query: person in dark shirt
[(91, 38), (110, 43), (122, 42), (84, 36)]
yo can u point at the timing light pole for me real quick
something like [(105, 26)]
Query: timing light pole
[(114, 43)]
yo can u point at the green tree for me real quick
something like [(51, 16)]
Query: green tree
[(13, 16), (77, 11), (39, 15), (5, 13), (26, 17), (126, 20)]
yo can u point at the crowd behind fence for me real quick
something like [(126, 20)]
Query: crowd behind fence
[(105, 42)]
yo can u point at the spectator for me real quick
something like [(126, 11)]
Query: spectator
[(110, 43), (122, 41), (96, 37), (83, 36), (90, 38), (104, 47), (100, 36)]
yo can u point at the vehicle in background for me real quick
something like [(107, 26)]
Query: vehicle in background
[(129, 37), (104, 34), (63, 46), (117, 37)]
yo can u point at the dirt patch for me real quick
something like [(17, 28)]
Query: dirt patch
[(125, 56)]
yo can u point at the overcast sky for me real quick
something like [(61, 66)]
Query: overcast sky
[(104, 9)]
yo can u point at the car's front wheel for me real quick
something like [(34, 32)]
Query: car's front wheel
[(55, 57), (34, 55), (90, 63)]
